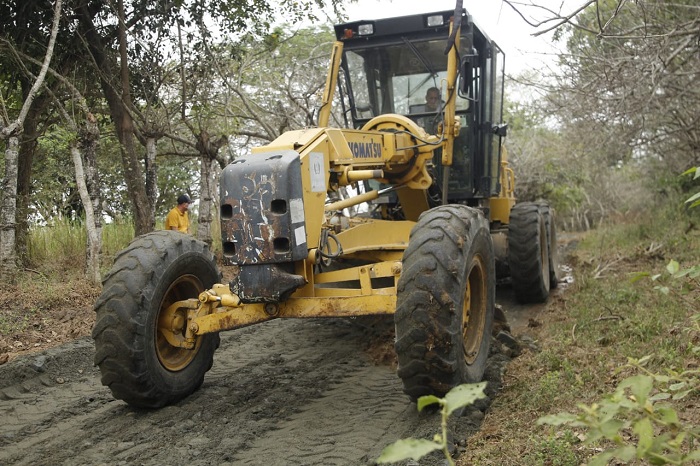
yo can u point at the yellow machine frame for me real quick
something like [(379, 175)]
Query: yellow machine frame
[(379, 244)]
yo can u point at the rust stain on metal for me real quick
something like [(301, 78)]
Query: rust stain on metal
[(251, 221)]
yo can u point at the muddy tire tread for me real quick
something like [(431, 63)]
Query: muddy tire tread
[(426, 315), (121, 330), (529, 282), (547, 213)]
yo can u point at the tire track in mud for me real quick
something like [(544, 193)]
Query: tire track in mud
[(287, 392), (349, 424)]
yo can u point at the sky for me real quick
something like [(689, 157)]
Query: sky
[(498, 20)]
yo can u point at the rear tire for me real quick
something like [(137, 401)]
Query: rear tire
[(136, 361), (528, 257), (548, 215), (445, 301)]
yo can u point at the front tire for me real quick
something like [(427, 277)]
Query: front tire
[(445, 301), (136, 360)]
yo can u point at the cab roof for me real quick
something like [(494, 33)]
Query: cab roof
[(423, 25)]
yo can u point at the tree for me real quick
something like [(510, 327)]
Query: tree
[(115, 48), (10, 132), (126, 46), (83, 148), (625, 95), (639, 63)]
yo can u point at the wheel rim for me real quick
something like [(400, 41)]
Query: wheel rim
[(474, 310), (172, 357)]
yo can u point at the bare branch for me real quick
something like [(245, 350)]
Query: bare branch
[(17, 124), (559, 19)]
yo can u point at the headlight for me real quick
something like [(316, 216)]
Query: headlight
[(436, 20), (365, 29)]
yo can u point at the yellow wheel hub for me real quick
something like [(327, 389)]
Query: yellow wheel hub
[(171, 327)]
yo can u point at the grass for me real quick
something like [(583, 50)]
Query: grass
[(60, 246), (587, 334), (13, 323), (554, 451)]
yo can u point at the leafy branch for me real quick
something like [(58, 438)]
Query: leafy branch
[(694, 200), (410, 448), (675, 272), (638, 422)]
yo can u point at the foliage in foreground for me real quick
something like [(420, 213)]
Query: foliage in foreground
[(458, 397), (638, 421), (694, 200)]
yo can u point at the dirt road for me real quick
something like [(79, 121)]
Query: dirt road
[(288, 392)]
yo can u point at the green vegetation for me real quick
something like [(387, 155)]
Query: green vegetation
[(694, 200), (457, 398), (619, 349), (60, 246), (637, 421)]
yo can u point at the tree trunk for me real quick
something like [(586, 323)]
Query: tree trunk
[(8, 258), (90, 135), (27, 149), (94, 245), (209, 154), (132, 168), (11, 133), (151, 177), (207, 198), (118, 96), (89, 189)]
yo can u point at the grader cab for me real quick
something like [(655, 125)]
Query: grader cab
[(408, 210)]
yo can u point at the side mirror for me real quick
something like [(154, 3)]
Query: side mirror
[(500, 130), (466, 72)]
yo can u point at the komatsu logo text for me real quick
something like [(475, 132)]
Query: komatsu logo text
[(366, 150)]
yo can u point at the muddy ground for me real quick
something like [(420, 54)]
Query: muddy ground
[(287, 392)]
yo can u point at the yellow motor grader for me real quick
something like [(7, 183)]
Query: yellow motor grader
[(408, 210)]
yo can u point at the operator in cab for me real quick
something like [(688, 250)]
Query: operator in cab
[(433, 101)]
